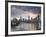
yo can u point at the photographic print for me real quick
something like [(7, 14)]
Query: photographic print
[(25, 18)]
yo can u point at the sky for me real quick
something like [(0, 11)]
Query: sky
[(24, 11)]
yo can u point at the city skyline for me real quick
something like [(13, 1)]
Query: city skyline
[(24, 11)]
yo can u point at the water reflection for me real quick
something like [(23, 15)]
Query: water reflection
[(24, 27)]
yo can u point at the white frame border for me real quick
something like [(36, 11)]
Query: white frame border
[(23, 32)]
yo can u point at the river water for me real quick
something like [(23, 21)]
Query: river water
[(24, 27)]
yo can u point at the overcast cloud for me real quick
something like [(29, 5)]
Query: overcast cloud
[(17, 11)]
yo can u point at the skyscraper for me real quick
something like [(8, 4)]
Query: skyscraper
[(28, 17)]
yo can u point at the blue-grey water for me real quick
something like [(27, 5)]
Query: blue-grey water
[(24, 27)]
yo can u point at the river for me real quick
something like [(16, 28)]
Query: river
[(24, 27)]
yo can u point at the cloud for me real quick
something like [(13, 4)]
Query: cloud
[(17, 11)]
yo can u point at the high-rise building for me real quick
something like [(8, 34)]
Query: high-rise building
[(31, 18), (28, 17), (20, 17), (23, 19)]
